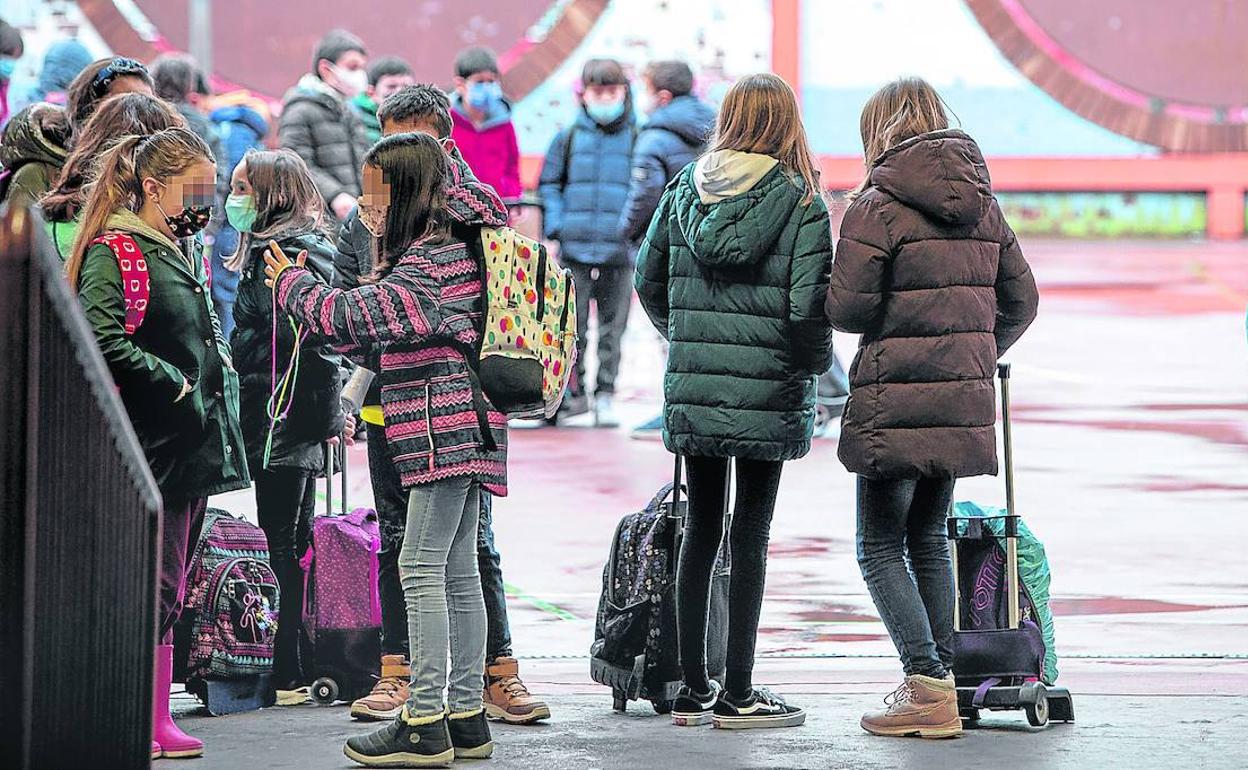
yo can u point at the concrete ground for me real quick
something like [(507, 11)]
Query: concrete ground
[(1131, 432)]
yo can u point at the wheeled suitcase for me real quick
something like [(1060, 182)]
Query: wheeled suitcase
[(634, 650), (999, 647), (341, 602)]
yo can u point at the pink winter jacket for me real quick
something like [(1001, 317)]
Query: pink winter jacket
[(490, 151)]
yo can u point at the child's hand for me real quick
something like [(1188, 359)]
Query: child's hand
[(275, 261)]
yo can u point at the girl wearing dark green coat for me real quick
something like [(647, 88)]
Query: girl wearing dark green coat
[(172, 368), (733, 272)]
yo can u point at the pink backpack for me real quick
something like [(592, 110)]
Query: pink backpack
[(135, 283)]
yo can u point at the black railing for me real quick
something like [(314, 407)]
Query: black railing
[(79, 527)]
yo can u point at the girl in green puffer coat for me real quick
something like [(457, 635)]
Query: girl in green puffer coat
[(733, 272)]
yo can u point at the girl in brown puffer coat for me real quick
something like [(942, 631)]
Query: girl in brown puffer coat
[(930, 274)]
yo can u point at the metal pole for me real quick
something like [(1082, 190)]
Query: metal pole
[(1011, 533), (199, 18)]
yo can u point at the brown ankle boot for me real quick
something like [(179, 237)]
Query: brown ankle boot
[(389, 694), (921, 706), (507, 698)]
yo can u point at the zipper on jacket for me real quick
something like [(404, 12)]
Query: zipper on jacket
[(429, 424)]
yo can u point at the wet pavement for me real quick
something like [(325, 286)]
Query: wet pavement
[(1131, 433)]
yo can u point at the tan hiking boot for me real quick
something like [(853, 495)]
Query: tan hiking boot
[(507, 698), (921, 706), (388, 695)]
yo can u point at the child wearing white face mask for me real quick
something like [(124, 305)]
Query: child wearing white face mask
[(583, 186), (483, 130), (318, 122)]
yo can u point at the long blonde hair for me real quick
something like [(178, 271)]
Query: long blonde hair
[(760, 115), (901, 110), (118, 181), (286, 198)]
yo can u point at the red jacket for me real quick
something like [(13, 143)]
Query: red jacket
[(490, 151)]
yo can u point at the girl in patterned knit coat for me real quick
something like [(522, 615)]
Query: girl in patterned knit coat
[(422, 309)]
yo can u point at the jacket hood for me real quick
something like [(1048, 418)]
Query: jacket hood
[(736, 231), (470, 202), (61, 64), (27, 138), (241, 113), (310, 88), (686, 116), (493, 121), (942, 174), (724, 173)]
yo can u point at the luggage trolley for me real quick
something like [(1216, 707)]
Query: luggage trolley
[(996, 668)]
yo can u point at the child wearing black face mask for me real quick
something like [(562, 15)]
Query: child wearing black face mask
[(164, 347)]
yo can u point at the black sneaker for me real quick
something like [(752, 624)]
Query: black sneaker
[(762, 709), (470, 735), (691, 709), (400, 744)]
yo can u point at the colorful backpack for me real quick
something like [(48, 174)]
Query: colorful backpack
[(528, 345), (135, 282), (231, 600)]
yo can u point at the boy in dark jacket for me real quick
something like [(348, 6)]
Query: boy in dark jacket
[(584, 184), (386, 76), (318, 123)]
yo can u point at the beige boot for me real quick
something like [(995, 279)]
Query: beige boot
[(389, 694), (921, 706), (507, 698)]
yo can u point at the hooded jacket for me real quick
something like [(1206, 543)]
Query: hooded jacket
[(61, 64), (670, 140), (584, 184), (327, 133), (315, 409), (733, 272), (931, 275), (421, 318), (490, 149), (32, 154)]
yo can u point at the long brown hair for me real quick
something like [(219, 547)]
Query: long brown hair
[(119, 182), (117, 116), (286, 198), (88, 89), (901, 110), (760, 115), (415, 168)]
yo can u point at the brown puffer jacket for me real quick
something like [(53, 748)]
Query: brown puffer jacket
[(929, 273)]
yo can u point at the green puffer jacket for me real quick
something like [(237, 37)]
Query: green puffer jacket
[(734, 275)]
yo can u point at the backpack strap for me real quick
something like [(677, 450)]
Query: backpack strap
[(135, 282), (567, 157)]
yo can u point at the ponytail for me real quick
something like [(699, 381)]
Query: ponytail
[(116, 186)]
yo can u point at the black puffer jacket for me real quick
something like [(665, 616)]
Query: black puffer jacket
[(327, 134), (929, 272), (315, 412)]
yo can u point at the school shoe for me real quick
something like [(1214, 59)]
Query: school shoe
[(573, 406), (171, 742), (507, 698), (762, 708), (650, 430), (405, 742), (470, 735), (388, 695), (922, 706), (604, 412), (691, 709)]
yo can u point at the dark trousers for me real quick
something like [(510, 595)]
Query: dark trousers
[(181, 521), (610, 288), (904, 556), (391, 502), (285, 503), (756, 485)]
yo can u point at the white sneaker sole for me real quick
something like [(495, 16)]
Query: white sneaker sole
[(365, 714), (951, 729), (757, 723), (696, 719)]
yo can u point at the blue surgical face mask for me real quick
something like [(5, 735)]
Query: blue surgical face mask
[(485, 97), (6, 68), (605, 113)]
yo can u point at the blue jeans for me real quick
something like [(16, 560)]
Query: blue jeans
[(904, 556)]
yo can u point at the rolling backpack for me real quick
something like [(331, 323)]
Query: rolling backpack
[(634, 651), (341, 603), (225, 636)]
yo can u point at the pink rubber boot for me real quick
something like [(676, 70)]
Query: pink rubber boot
[(172, 742)]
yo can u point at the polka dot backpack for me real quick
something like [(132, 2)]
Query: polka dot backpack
[(528, 345)]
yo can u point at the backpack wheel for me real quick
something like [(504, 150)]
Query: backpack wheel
[(662, 706), (325, 691), (1038, 712)]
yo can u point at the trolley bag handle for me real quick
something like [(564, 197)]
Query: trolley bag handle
[(1011, 521), (332, 453), (673, 512)]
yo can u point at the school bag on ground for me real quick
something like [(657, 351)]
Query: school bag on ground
[(634, 650), (1004, 656), (528, 341), (341, 604), (224, 639)]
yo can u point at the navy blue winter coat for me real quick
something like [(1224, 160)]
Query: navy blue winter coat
[(584, 187), (674, 136)]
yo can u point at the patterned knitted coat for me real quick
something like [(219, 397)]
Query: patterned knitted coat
[(422, 317)]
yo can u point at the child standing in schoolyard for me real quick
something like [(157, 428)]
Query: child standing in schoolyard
[(584, 184), (483, 131), (733, 272), (930, 274)]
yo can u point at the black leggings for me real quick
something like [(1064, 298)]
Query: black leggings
[(757, 483), (285, 503)]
